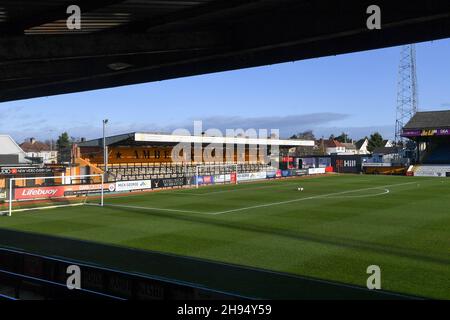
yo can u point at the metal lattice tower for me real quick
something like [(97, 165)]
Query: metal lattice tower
[(407, 96)]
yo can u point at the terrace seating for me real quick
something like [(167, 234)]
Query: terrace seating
[(440, 155), (126, 172)]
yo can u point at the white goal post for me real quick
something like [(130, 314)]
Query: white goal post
[(45, 193), (227, 170)]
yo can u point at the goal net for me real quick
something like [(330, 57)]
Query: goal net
[(39, 193), (207, 174)]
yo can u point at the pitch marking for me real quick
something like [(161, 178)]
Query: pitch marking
[(385, 191), (307, 198), (261, 205)]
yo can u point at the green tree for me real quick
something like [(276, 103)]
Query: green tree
[(64, 145), (375, 141), (343, 138), (306, 135)]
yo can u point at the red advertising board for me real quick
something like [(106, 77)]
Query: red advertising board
[(31, 193), (38, 193), (207, 180)]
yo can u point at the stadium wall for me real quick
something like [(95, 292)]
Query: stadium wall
[(432, 171)]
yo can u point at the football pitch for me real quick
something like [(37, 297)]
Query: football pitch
[(333, 230)]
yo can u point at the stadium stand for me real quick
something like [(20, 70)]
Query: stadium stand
[(438, 155), (143, 171), (140, 156), (431, 133)]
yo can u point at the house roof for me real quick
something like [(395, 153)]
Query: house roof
[(429, 120), (333, 144), (349, 146), (9, 146), (10, 151), (360, 143), (386, 150), (36, 146)]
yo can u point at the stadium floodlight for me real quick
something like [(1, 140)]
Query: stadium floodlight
[(70, 191), (105, 152), (218, 173)]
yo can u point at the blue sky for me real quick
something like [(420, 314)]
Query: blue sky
[(355, 93)]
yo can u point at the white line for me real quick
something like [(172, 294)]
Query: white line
[(258, 206), (385, 191), (233, 190), (307, 198), (45, 208), (153, 209)]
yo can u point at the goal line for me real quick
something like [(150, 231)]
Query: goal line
[(39, 193)]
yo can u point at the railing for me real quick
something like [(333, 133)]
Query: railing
[(31, 276)]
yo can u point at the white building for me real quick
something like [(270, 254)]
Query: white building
[(10, 152), (362, 146), (39, 152), (334, 146)]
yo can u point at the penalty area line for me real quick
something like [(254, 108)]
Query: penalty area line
[(308, 198), (385, 191)]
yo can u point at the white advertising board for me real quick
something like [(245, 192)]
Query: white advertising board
[(133, 185), (316, 170)]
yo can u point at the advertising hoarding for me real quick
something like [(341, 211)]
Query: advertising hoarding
[(251, 176), (133, 185), (11, 171), (168, 183), (347, 163), (271, 174), (425, 132), (300, 172), (285, 173), (312, 171), (88, 188), (38, 193), (29, 193)]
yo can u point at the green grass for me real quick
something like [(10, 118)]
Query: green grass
[(334, 229)]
